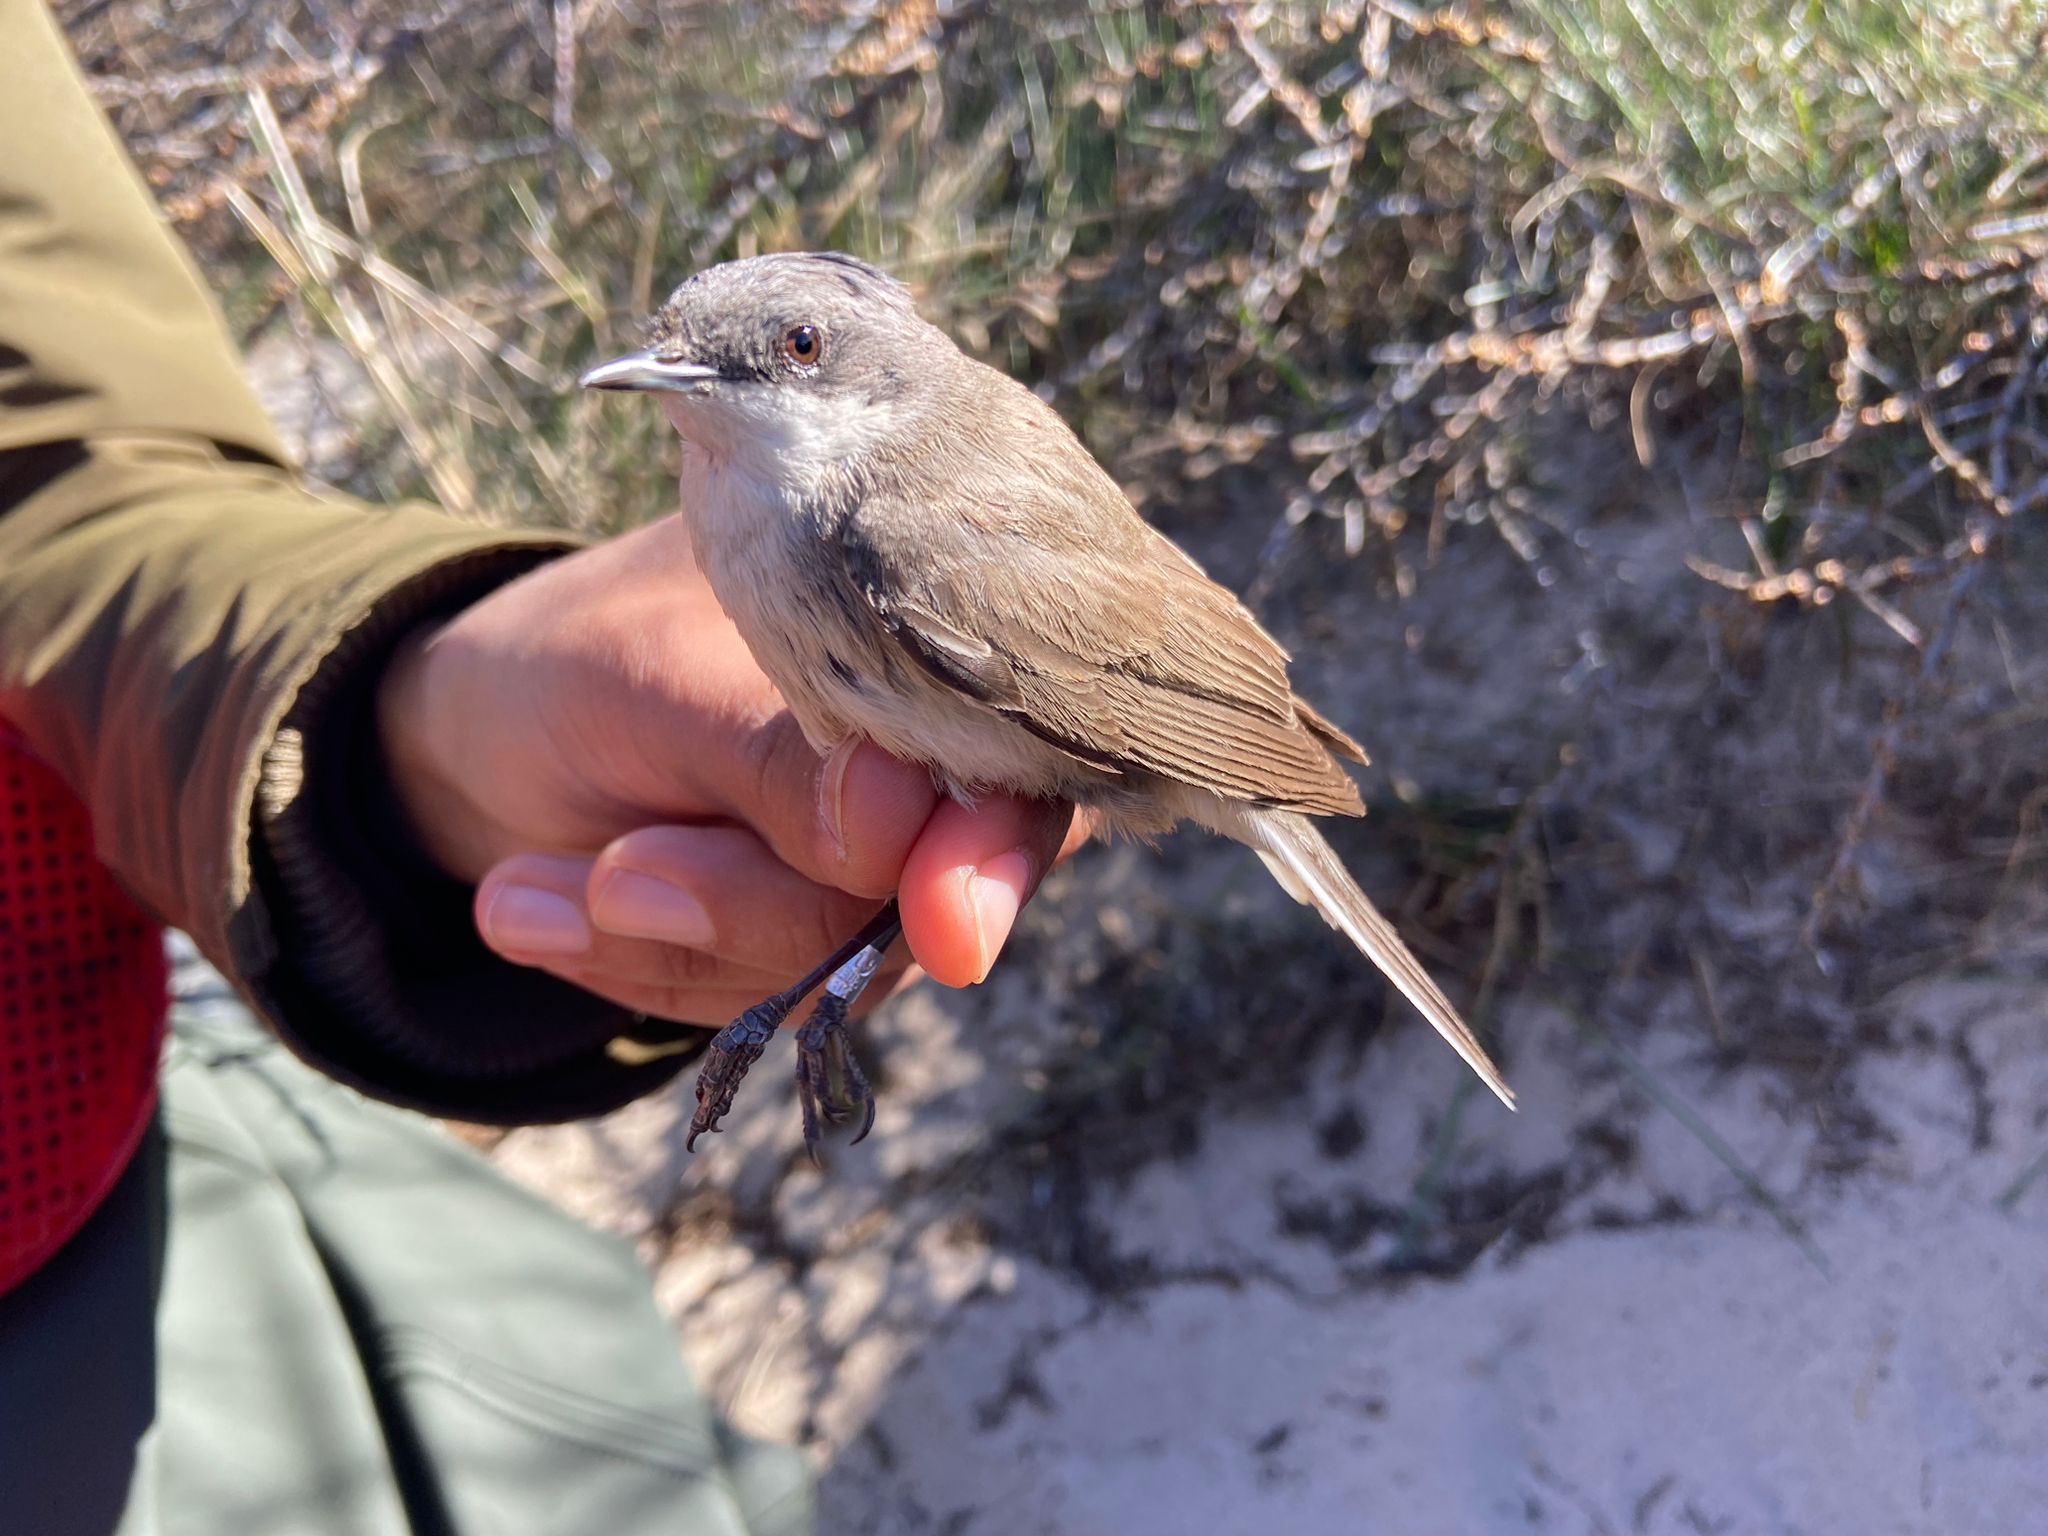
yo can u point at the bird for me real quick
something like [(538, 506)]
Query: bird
[(919, 551)]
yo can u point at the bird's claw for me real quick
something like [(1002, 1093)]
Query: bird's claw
[(733, 1050), (829, 1080)]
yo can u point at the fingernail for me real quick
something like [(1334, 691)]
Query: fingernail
[(832, 794), (535, 922), (996, 891), (637, 906)]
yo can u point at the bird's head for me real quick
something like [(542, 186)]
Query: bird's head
[(785, 367)]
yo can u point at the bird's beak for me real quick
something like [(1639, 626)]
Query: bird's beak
[(643, 370)]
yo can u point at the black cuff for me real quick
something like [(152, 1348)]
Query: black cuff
[(381, 979)]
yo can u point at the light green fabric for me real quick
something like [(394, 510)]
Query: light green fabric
[(363, 1328)]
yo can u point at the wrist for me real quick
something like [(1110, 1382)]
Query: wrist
[(421, 799)]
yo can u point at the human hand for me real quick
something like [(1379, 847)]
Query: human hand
[(594, 747)]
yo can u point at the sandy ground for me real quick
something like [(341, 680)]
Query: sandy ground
[(1176, 1226), (1642, 1346)]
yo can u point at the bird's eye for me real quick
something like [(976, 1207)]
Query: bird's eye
[(803, 345)]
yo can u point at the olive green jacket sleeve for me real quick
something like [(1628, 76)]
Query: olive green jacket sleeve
[(192, 638)]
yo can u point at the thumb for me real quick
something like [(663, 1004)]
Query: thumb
[(848, 820), (968, 876)]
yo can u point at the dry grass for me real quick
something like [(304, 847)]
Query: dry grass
[(1356, 244), (1358, 232)]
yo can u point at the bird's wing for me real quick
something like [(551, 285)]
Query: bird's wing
[(1099, 636)]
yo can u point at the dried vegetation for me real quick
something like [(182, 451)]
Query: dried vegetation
[(1794, 257)]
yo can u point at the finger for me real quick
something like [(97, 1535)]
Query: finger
[(848, 821), (536, 909), (530, 909), (710, 1008), (1079, 830), (968, 876), (672, 1005), (721, 890)]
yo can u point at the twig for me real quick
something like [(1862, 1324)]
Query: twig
[(2028, 1176), (317, 273), (1708, 1137), (1884, 757)]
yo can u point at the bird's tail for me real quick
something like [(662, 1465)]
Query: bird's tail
[(1309, 870)]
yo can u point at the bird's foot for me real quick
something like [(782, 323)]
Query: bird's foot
[(829, 1080), (733, 1050)]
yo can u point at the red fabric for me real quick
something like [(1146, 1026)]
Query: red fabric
[(83, 995)]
